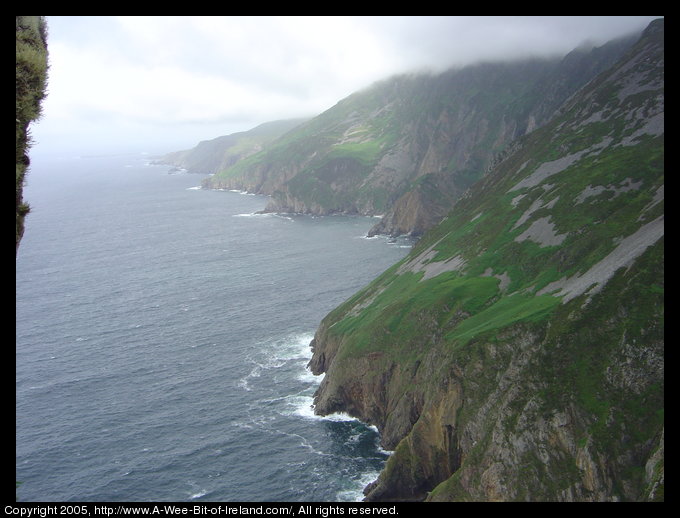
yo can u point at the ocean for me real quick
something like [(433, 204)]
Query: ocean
[(162, 337)]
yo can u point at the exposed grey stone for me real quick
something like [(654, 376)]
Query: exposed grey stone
[(592, 281), (542, 231), (626, 185)]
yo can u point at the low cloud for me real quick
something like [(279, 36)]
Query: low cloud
[(182, 79)]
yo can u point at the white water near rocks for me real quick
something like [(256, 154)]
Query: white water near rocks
[(162, 340)]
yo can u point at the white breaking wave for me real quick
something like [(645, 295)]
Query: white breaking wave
[(303, 406), (264, 215), (306, 376), (357, 494), (237, 191), (279, 352), (293, 346)]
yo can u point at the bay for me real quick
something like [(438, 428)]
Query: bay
[(162, 337)]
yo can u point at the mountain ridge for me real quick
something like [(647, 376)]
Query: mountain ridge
[(409, 146)]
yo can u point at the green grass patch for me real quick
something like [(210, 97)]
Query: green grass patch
[(367, 152), (409, 312), (505, 312)]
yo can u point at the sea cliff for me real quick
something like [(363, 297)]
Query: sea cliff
[(517, 353), (409, 146)]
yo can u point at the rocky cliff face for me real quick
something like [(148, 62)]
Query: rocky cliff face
[(409, 146), (517, 353)]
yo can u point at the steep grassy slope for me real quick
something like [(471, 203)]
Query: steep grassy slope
[(31, 82), (517, 352), (409, 146), (212, 156)]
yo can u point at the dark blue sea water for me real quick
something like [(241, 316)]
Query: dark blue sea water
[(162, 337)]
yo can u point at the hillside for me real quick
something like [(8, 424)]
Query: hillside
[(212, 156), (31, 83), (517, 353), (409, 146)]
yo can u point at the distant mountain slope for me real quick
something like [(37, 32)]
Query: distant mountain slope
[(409, 146), (517, 353), (211, 156)]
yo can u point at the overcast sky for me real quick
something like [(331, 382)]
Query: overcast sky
[(161, 84)]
